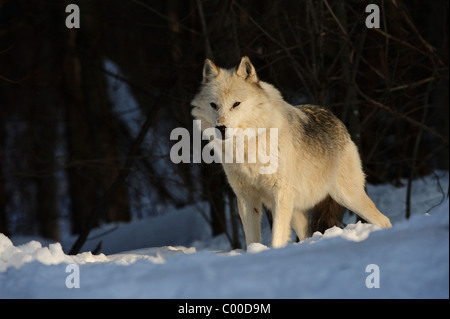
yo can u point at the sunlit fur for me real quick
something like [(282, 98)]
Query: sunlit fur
[(318, 164)]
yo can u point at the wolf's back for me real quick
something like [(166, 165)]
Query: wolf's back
[(320, 130)]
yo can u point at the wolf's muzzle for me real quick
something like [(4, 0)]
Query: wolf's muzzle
[(221, 129)]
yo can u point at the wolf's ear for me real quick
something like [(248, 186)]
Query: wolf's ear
[(246, 70), (210, 70)]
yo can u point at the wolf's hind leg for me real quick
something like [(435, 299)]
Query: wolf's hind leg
[(299, 222), (362, 205), (250, 213), (349, 189)]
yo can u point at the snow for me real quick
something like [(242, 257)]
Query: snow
[(174, 256), (256, 248)]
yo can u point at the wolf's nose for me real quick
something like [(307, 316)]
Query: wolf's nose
[(221, 129)]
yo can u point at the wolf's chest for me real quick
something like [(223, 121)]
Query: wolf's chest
[(248, 176)]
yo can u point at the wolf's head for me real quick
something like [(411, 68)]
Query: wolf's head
[(230, 98)]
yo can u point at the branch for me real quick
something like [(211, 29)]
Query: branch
[(404, 117), (149, 8), (208, 49)]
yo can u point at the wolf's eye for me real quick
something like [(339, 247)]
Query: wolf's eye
[(236, 104), (213, 105)]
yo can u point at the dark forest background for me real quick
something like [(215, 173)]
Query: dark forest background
[(86, 114)]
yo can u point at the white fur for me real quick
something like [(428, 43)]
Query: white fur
[(305, 173)]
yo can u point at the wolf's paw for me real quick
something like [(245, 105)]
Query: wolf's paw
[(384, 222)]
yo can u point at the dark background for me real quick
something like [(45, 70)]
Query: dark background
[(73, 101)]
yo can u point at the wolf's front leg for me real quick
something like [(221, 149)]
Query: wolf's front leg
[(250, 213), (283, 210)]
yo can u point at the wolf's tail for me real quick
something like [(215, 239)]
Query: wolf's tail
[(326, 214)]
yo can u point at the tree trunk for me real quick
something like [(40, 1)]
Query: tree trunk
[(94, 157), (214, 183), (82, 188), (42, 127), (4, 226)]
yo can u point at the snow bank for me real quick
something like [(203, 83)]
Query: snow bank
[(410, 260), (256, 248), (353, 232), (175, 228), (12, 256)]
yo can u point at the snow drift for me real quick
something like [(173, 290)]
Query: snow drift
[(410, 260)]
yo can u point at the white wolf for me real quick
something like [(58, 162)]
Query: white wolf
[(319, 168)]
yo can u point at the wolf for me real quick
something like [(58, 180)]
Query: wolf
[(318, 171)]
